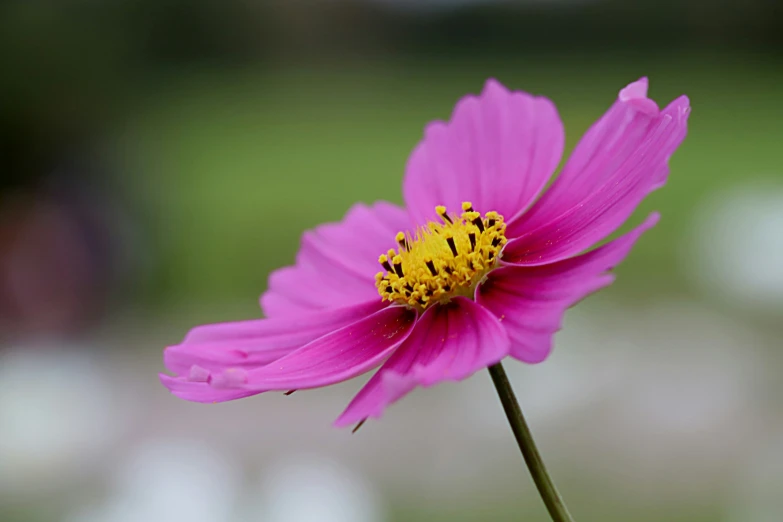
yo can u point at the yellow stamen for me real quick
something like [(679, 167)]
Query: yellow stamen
[(384, 261), (401, 240), (442, 260), (441, 210)]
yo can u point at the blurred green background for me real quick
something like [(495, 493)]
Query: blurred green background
[(159, 159)]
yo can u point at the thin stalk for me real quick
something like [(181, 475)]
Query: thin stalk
[(546, 488)]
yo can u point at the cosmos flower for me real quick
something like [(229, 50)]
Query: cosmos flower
[(480, 265)]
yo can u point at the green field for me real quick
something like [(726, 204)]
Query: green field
[(229, 167)]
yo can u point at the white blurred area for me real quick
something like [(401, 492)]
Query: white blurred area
[(734, 250), (57, 416), (168, 479), (665, 400), (313, 488)]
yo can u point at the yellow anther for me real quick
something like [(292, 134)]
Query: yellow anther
[(397, 264), (441, 210), (442, 260), (401, 240), (383, 259), (492, 218)]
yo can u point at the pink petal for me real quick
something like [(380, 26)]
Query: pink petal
[(497, 151), (337, 262), (337, 356), (620, 160), (200, 391), (208, 351), (449, 343), (531, 301)]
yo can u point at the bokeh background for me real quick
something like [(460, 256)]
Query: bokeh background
[(159, 157)]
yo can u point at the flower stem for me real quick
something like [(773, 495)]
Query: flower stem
[(546, 488)]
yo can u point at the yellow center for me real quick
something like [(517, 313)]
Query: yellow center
[(443, 260)]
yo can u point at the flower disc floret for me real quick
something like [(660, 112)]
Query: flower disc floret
[(443, 260)]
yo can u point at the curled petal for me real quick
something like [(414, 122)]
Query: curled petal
[(208, 351), (196, 391), (618, 162)]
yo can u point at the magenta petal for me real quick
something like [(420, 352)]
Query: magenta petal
[(635, 95), (497, 151), (337, 262), (531, 301), (620, 160), (338, 356), (194, 391), (449, 343), (208, 351), (304, 325)]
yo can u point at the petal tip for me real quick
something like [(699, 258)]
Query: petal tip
[(635, 96), (635, 90), (492, 84), (351, 417), (683, 105), (164, 378), (651, 220), (340, 422)]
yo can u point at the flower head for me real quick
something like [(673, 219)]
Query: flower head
[(479, 266)]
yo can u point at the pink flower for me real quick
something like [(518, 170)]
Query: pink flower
[(457, 291)]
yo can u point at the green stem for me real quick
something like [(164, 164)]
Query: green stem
[(546, 488)]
